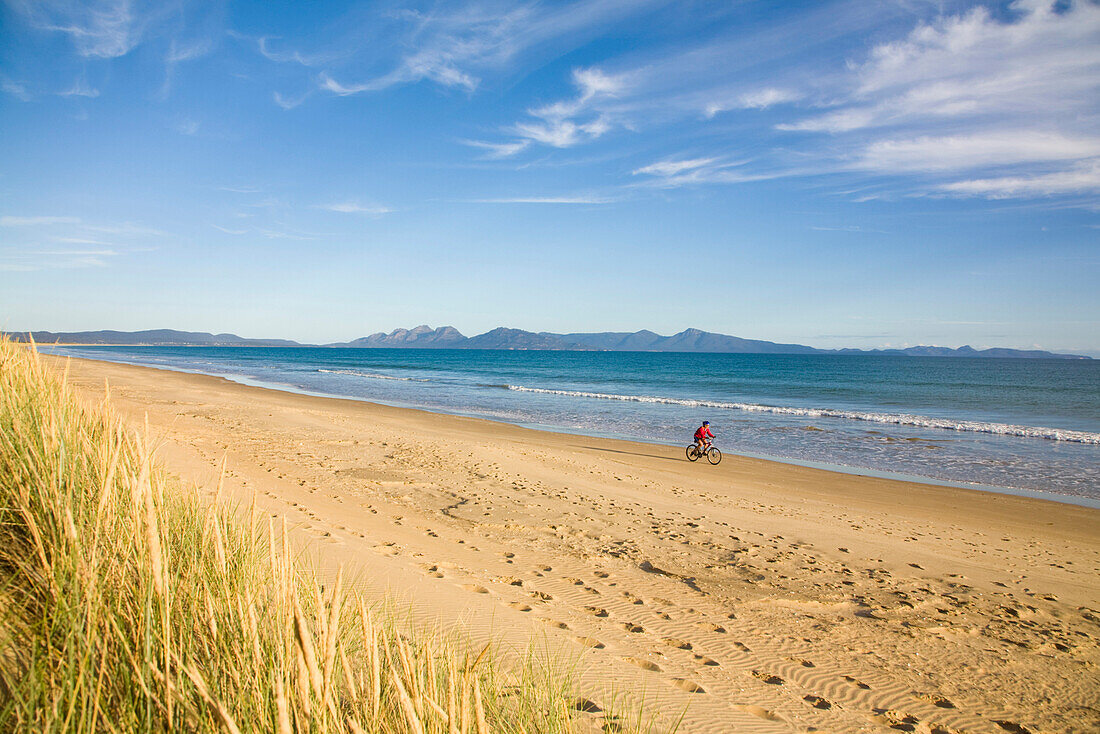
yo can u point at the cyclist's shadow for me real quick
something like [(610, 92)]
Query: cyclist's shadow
[(631, 453)]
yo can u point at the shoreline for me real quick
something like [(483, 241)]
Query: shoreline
[(1043, 495), (755, 595)]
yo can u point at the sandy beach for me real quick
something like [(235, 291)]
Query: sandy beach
[(748, 596)]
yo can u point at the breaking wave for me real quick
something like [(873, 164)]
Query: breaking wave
[(899, 419), (372, 375)]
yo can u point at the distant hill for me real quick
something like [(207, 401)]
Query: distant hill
[(447, 337), (688, 340), (422, 337), (502, 338), (151, 337)]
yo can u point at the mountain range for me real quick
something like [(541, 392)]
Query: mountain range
[(447, 337)]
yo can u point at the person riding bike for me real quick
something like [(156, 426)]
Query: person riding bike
[(701, 435)]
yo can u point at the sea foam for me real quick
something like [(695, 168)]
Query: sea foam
[(899, 419), (372, 375)]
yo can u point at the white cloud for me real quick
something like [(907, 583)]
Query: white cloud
[(289, 103), (455, 45), (353, 207), (1041, 62), (80, 88), (498, 150), (674, 167), (546, 200), (1011, 100), (98, 28), (15, 89), (979, 150), (31, 260), (180, 51), (327, 82), (286, 56), (1083, 179), (568, 122), (11, 221), (759, 99), (187, 126), (230, 231)]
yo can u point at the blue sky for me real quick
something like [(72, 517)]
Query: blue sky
[(842, 173)]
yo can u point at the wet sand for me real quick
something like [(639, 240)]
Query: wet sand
[(748, 596)]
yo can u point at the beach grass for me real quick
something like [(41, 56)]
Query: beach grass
[(131, 603)]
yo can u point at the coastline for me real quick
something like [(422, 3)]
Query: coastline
[(703, 561), (886, 472)]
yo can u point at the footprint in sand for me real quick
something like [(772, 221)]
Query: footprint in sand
[(519, 606), (759, 712), (540, 595), (474, 588), (678, 644), (897, 720), (857, 683), (818, 702), (704, 660), (741, 646), (687, 685), (635, 628), (596, 611), (644, 664), (768, 678), (586, 706), (555, 624), (935, 700), (589, 642)]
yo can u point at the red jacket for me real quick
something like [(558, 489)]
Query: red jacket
[(703, 432)]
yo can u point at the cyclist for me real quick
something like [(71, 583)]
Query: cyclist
[(701, 435)]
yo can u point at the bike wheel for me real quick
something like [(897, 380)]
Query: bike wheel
[(692, 453), (714, 455)]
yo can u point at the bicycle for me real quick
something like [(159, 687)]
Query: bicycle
[(713, 454)]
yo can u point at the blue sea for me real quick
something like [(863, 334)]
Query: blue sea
[(1022, 425)]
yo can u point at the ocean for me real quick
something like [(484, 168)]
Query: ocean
[(1030, 426)]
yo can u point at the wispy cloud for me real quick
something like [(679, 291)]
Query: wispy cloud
[(1013, 97), (354, 207), (80, 88), (230, 231), (289, 103), (1083, 179), (546, 200), (674, 167), (675, 173), (565, 123), (14, 88), (498, 150), (33, 259), (98, 28), (14, 221), (977, 150), (759, 99), (187, 126), (453, 46)]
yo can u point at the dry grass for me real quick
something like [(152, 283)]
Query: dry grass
[(129, 603)]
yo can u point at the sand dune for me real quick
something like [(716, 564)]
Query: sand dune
[(751, 596)]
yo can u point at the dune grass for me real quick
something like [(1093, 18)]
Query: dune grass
[(129, 603)]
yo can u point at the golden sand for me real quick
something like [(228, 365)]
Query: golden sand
[(748, 596)]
